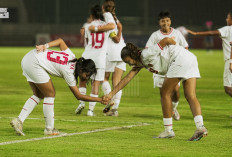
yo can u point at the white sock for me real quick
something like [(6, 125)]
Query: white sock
[(48, 110), (92, 104), (174, 105), (117, 99), (167, 123), (28, 107), (199, 121), (106, 88), (83, 92)]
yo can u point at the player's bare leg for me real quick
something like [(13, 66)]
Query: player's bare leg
[(28, 107), (175, 102), (190, 95), (49, 93), (166, 101)]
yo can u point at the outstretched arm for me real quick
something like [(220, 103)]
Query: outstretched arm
[(102, 28), (167, 41), (206, 33), (58, 42), (79, 96), (123, 82)]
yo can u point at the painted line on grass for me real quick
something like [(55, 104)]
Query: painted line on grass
[(88, 121), (72, 134)]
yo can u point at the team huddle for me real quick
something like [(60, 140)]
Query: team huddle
[(166, 55)]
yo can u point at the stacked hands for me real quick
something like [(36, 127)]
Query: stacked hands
[(41, 48), (106, 99)]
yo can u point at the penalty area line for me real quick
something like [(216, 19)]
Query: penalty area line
[(72, 134)]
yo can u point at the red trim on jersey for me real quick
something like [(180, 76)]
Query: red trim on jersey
[(48, 103), (168, 125), (34, 100), (166, 33), (160, 46)]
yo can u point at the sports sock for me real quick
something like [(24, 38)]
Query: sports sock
[(174, 105), (48, 110), (167, 123), (199, 121), (28, 107), (83, 92), (92, 104), (106, 88), (117, 99)]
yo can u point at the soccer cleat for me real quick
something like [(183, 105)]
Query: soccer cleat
[(166, 134), (53, 131), (113, 112), (90, 113), (80, 108), (198, 134), (108, 106), (18, 126), (176, 115)]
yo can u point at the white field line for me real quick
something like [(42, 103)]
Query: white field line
[(72, 134), (88, 121)]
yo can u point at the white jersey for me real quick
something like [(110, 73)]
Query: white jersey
[(226, 36), (114, 49), (97, 44), (159, 35), (56, 63), (173, 60)]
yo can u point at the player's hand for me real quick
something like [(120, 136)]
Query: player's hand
[(230, 67), (104, 101), (40, 48), (82, 31), (107, 98)]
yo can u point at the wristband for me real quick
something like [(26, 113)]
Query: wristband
[(95, 28), (46, 46)]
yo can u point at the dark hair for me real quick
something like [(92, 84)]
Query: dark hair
[(109, 6), (96, 12), (164, 14), (84, 65), (230, 12), (131, 51)]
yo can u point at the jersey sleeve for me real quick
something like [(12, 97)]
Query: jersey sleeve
[(150, 41), (109, 18), (182, 41), (230, 40), (224, 31)]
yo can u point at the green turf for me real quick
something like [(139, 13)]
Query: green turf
[(140, 103)]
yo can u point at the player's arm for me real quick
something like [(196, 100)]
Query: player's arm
[(206, 33), (167, 41), (134, 71), (102, 28), (79, 96), (116, 37), (58, 42)]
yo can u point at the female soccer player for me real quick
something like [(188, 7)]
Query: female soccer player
[(225, 33), (37, 66), (164, 20), (176, 63), (96, 50), (114, 63)]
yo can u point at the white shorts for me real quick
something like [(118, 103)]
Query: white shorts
[(99, 76), (32, 70), (227, 76), (184, 66), (159, 80), (111, 65)]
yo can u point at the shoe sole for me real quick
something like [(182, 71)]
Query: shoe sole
[(18, 132), (157, 137), (200, 137)]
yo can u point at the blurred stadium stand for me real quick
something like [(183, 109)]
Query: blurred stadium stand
[(139, 18)]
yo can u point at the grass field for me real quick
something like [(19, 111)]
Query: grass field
[(140, 105)]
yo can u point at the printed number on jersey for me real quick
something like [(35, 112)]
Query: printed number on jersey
[(58, 57), (98, 40)]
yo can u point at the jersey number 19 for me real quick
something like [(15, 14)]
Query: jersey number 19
[(97, 40)]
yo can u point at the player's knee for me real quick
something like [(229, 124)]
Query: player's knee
[(228, 91), (190, 96)]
